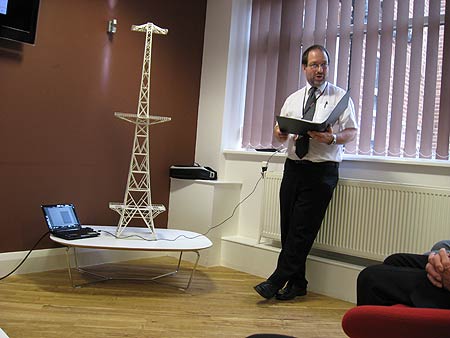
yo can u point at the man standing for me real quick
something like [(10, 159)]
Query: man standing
[(311, 172)]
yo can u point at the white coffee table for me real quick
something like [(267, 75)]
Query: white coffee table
[(167, 240)]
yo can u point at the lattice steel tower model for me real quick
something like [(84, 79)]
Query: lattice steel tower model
[(137, 202)]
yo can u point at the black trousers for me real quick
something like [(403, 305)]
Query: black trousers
[(305, 192), (401, 279)]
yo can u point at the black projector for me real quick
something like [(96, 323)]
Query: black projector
[(192, 172)]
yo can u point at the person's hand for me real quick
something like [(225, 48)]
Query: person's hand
[(438, 269), (322, 136), (433, 276), (282, 137)]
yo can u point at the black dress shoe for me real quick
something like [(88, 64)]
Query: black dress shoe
[(290, 292), (267, 289)]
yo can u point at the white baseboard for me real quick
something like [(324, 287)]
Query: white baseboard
[(54, 259), (325, 276)]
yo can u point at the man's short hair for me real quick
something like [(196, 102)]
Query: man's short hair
[(314, 47)]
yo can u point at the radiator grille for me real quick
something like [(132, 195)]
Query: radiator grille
[(370, 219)]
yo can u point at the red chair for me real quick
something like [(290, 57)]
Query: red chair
[(398, 321)]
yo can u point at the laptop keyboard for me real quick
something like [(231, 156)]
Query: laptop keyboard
[(84, 232)]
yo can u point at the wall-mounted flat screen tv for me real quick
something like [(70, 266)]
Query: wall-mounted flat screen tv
[(18, 20)]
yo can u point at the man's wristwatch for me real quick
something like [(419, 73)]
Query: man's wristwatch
[(334, 140)]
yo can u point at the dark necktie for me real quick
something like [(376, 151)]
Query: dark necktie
[(302, 143)]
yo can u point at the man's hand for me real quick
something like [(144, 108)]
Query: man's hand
[(438, 269), (322, 136), (343, 137), (282, 137)]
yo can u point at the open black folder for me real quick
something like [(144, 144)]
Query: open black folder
[(301, 127)]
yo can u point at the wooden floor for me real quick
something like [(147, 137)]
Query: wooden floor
[(220, 303)]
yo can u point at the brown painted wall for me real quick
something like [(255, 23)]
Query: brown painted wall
[(59, 139)]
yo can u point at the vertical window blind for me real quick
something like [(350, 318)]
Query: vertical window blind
[(393, 55)]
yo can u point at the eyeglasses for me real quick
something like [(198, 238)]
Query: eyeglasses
[(315, 66)]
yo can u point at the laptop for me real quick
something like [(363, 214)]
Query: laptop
[(62, 221)]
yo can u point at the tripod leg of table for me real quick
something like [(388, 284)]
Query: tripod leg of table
[(193, 269), (103, 278), (69, 267)]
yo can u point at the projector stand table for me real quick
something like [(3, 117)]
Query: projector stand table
[(167, 240)]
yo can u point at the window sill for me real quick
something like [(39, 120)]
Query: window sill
[(249, 155)]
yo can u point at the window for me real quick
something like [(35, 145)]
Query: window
[(394, 55)]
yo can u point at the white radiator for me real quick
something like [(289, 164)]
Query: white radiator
[(370, 219)]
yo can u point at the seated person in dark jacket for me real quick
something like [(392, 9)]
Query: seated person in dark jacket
[(409, 279)]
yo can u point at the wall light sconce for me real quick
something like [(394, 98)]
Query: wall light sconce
[(112, 26)]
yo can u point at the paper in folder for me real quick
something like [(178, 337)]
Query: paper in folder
[(301, 127)]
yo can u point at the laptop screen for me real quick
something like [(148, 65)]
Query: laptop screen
[(61, 217)]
